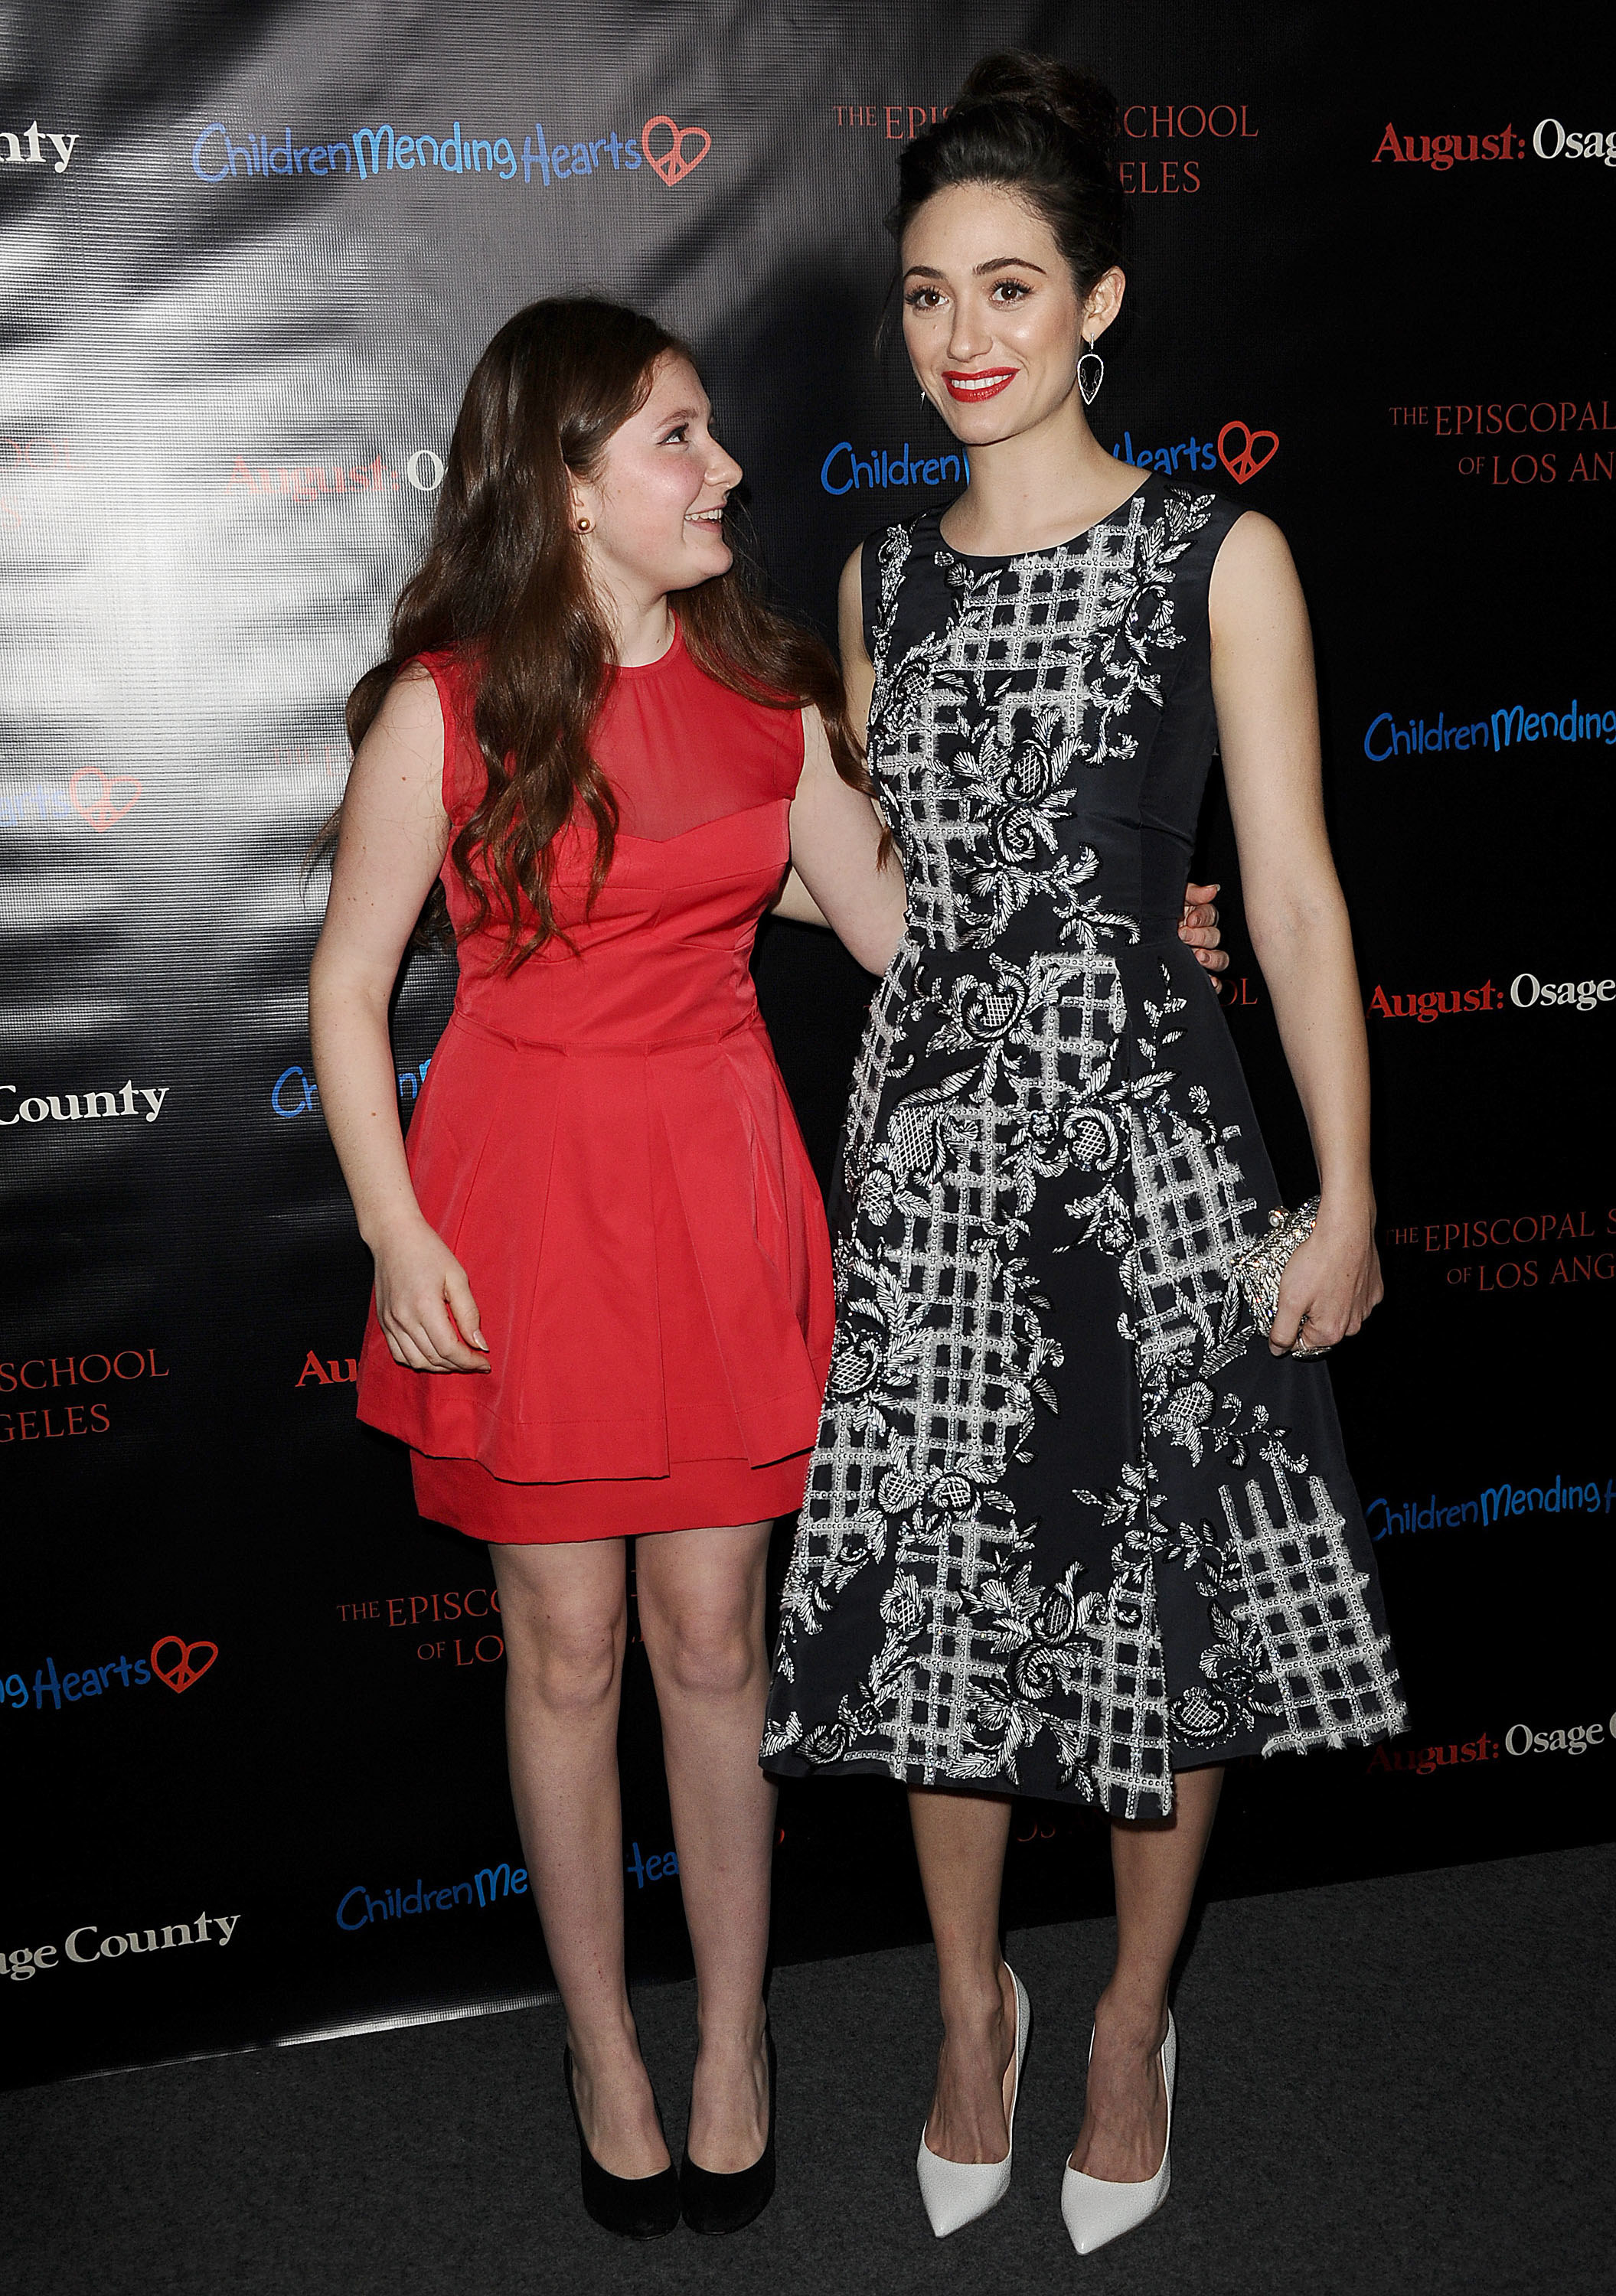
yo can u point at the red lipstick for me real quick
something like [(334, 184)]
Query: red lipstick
[(978, 383)]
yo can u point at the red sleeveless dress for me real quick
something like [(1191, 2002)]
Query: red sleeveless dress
[(605, 1141)]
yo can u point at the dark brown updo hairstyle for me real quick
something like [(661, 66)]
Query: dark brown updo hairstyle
[(504, 582), (1045, 133)]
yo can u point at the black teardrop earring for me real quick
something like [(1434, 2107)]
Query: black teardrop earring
[(1091, 372)]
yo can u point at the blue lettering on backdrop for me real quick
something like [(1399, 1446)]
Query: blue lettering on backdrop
[(661, 1868), (1500, 729), (47, 804), (372, 151), (844, 471), (1502, 1501), (295, 1093), (1198, 454), (133, 1673), (357, 1909)]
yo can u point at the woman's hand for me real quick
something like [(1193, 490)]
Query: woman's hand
[(424, 1304), (1331, 1283), (1198, 929)]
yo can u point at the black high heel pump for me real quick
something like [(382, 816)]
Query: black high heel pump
[(715, 2204), (636, 2208)]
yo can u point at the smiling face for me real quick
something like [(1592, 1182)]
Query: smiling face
[(655, 506), (993, 321)]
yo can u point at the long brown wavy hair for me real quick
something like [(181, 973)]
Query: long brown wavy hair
[(504, 582)]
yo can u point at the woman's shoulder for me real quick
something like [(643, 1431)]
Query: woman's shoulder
[(898, 540), (436, 691), (883, 558), (450, 674), (449, 667)]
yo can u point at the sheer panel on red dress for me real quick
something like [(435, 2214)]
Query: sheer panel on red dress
[(680, 750)]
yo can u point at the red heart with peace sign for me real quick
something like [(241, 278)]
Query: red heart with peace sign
[(672, 165), (95, 795), (190, 1663), (1246, 461)]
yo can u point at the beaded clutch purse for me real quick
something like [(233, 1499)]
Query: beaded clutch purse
[(1259, 1268)]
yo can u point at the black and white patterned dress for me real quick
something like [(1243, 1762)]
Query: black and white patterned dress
[(1070, 1525)]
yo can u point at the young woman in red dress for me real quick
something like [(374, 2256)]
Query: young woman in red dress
[(603, 1297)]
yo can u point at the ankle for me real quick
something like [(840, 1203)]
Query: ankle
[(606, 2052), (738, 2034), (976, 2003), (1131, 2019)]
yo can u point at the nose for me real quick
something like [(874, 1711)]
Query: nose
[(969, 335), (723, 470)]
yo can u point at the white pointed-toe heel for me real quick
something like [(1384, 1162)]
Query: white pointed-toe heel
[(956, 2191), (1094, 2211)]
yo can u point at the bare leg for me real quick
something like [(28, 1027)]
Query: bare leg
[(1155, 1864), (960, 1839), (701, 1601), (564, 1614)]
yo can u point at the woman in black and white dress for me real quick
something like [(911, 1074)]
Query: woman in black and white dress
[(1076, 1528)]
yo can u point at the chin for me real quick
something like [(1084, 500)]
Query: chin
[(713, 558)]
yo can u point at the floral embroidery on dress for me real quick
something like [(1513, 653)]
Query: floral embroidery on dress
[(1021, 1101)]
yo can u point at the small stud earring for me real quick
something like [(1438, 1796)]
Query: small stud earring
[(1089, 382), (584, 525)]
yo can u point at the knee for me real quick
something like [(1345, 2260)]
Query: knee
[(568, 1665), (706, 1653)]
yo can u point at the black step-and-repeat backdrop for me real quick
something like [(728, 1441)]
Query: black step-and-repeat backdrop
[(250, 1707)]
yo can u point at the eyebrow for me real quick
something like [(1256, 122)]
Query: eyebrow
[(996, 263), (681, 415)]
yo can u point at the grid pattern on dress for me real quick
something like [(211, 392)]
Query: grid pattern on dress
[(950, 1378), (1189, 1221), (943, 1262), (883, 1036), (1025, 638), (1332, 1669), (1124, 1707), (953, 1386), (928, 1732)]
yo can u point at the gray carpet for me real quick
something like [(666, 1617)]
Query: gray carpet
[(1394, 2085)]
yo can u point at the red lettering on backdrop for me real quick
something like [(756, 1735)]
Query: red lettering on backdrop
[(329, 1372)]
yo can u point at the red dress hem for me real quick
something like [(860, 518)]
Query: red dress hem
[(694, 1495)]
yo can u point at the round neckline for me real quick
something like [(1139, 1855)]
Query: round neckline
[(649, 669), (1010, 557)]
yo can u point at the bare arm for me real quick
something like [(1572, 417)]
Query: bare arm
[(835, 846), (795, 902), (394, 835), (1267, 719), (835, 832)]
